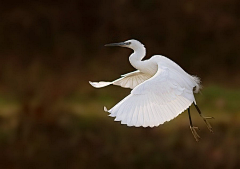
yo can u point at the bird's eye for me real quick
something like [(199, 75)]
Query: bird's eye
[(128, 43)]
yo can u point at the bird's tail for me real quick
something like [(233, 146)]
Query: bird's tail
[(100, 84), (198, 85)]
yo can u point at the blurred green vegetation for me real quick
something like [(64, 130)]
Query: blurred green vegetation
[(82, 135)]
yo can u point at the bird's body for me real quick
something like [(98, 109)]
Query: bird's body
[(161, 89)]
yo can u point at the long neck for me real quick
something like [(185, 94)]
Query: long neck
[(136, 57)]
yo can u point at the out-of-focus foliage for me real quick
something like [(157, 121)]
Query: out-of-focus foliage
[(84, 137), (50, 117)]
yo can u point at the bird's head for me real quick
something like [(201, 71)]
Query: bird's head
[(132, 44)]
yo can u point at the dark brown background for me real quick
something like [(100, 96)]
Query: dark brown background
[(50, 117)]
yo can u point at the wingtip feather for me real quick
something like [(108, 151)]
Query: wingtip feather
[(99, 84), (105, 109)]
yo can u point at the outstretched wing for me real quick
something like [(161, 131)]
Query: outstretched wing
[(129, 80), (155, 101)]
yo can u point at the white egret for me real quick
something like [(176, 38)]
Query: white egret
[(161, 90)]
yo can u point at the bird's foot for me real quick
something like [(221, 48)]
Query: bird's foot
[(194, 132), (207, 123)]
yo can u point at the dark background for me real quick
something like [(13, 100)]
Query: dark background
[(50, 117)]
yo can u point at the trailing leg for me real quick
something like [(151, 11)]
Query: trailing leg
[(204, 118), (192, 128)]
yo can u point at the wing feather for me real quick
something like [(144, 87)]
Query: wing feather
[(154, 116), (130, 116), (138, 80), (132, 77), (135, 121), (129, 80), (126, 115), (150, 113), (140, 121), (155, 101)]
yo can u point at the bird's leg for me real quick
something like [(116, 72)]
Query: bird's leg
[(204, 118), (192, 128)]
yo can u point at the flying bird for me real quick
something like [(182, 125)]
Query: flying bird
[(161, 90)]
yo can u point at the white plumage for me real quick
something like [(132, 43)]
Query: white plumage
[(161, 89)]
